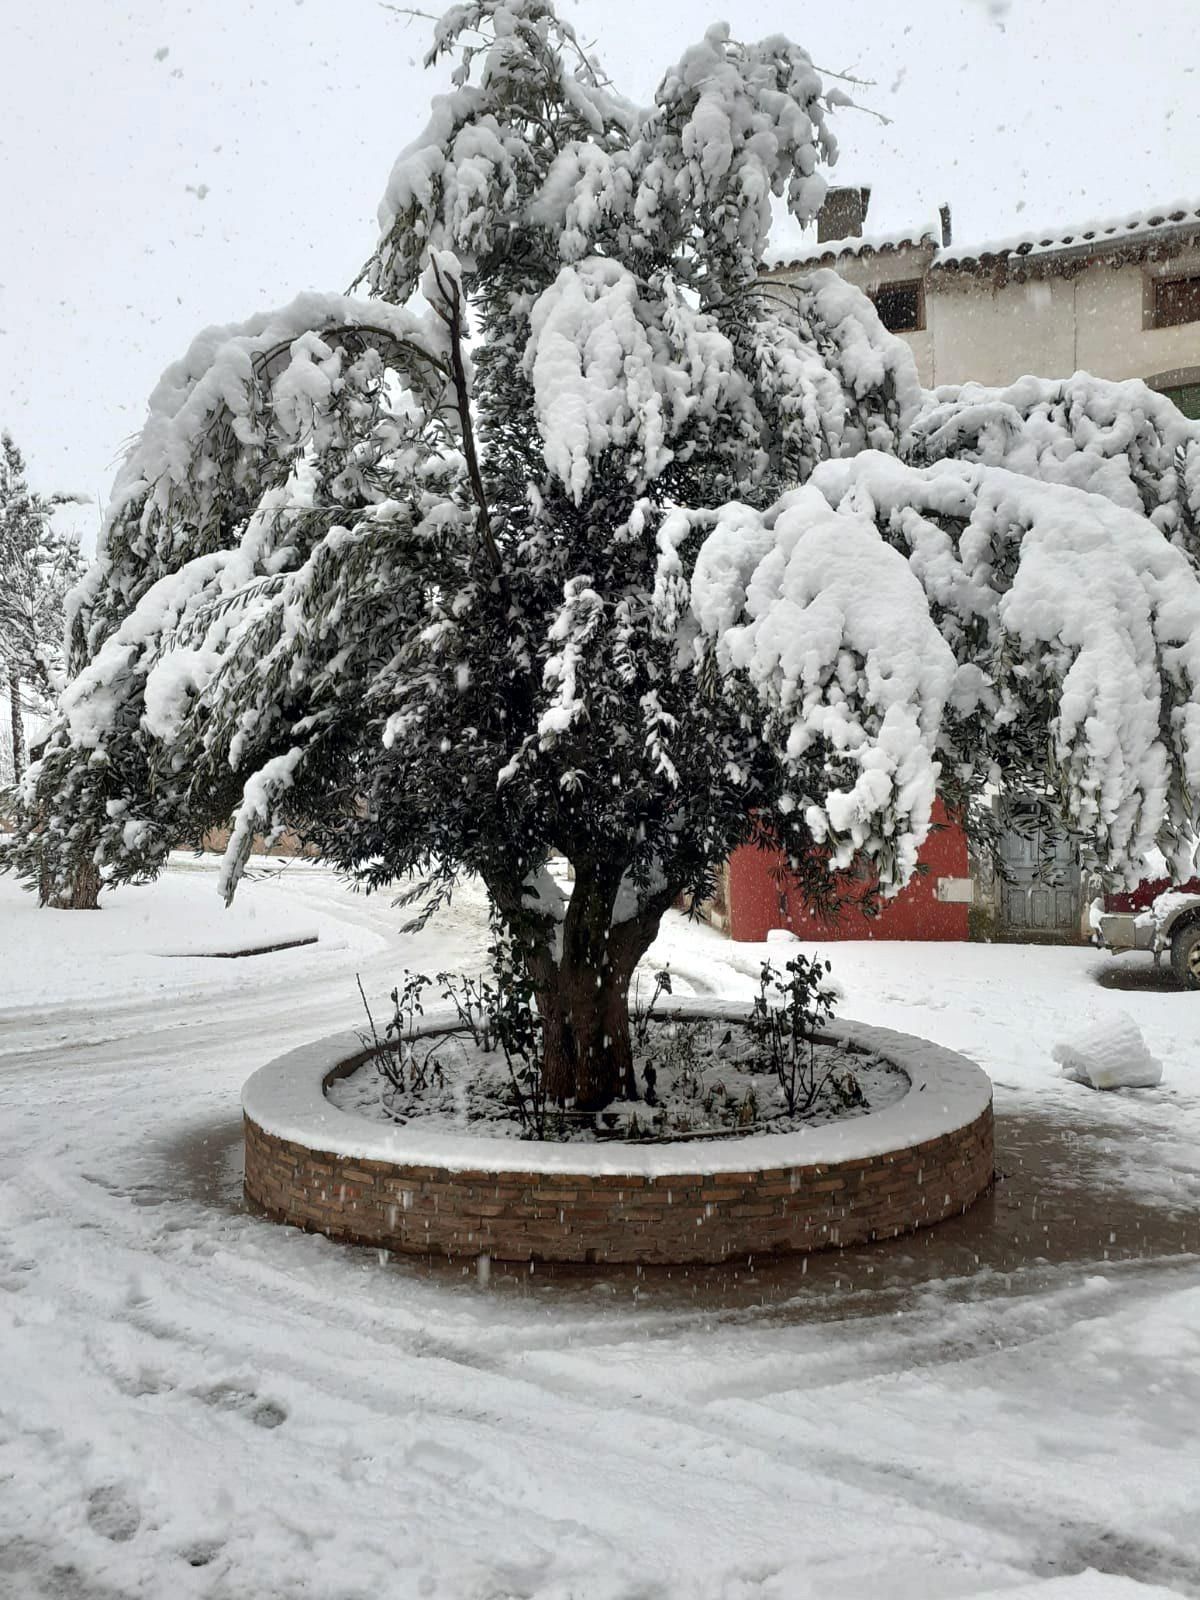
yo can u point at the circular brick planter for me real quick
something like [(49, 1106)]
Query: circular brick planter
[(924, 1158)]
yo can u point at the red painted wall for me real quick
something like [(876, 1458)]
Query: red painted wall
[(758, 880)]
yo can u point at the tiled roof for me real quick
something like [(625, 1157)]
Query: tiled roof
[(1134, 230), (800, 252)]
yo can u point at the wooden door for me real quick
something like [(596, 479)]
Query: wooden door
[(1040, 894)]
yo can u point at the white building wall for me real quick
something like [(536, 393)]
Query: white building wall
[(977, 330), (1112, 306), (985, 334)]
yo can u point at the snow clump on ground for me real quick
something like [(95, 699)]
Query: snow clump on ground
[(1111, 1055)]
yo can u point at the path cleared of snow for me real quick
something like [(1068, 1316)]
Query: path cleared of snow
[(196, 1402)]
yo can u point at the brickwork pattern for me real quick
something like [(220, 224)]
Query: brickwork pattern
[(519, 1216)]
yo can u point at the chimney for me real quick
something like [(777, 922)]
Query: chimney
[(843, 214), (947, 236)]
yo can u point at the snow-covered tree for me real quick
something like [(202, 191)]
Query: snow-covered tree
[(38, 565), (1120, 440), (576, 537)]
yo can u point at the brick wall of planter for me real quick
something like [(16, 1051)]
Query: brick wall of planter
[(579, 1217)]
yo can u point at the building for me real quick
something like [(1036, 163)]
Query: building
[(1119, 299)]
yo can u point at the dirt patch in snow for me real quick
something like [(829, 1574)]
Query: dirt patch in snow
[(1137, 976)]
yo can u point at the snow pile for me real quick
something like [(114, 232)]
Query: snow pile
[(1110, 1055), (1086, 1585)]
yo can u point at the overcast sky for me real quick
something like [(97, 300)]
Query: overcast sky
[(167, 165)]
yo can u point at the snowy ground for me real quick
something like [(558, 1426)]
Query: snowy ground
[(194, 1402)]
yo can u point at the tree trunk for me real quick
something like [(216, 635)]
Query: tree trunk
[(85, 888), (18, 726), (558, 1039), (583, 998), (81, 894), (581, 972), (585, 1030), (588, 1056), (599, 1016)]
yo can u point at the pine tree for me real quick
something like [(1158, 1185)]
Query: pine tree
[(603, 548), (38, 565)]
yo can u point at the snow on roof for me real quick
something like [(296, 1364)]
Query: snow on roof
[(1135, 228), (800, 251)]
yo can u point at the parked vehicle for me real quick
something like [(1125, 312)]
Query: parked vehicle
[(1160, 917)]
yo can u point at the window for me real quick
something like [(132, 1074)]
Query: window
[(1181, 386), (901, 306), (1176, 300), (1187, 397)]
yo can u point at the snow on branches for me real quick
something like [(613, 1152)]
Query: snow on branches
[(235, 414), (732, 125), (1076, 626), (473, 180), (831, 631), (38, 567), (829, 379), (895, 620), (612, 370), (1120, 440), (264, 438), (686, 183)]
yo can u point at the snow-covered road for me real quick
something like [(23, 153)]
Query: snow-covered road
[(195, 1402)]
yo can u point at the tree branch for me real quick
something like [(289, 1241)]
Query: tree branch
[(452, 295)]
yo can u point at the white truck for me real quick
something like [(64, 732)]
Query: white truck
[(1169, 925)]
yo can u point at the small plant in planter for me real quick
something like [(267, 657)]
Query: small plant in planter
[(515, 1026), (768, 1071), (642, 1015), (407, 1062), (789, 1009), (497, 1014), (475, 1000)]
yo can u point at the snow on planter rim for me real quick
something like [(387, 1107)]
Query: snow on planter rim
[(286, 1098)]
